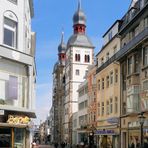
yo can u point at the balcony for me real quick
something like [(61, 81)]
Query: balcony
[(126, 49)]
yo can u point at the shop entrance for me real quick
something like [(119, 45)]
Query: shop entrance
[(5, 137)]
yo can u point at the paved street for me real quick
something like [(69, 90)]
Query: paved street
[(43, 146)]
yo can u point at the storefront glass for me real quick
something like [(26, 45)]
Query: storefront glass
[(19, 138), (5, 137)]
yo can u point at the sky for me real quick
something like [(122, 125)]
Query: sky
[(50, 16)]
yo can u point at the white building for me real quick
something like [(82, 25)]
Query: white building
[(82, 133), (17, 72), (79, 55)]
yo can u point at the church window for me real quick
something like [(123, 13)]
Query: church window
[(87, 58), (77, 57)]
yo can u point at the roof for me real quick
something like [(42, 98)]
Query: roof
[(80, 40)]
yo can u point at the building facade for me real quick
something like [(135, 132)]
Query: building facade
[(17, 73), (79, 55), (108, 91), (133, 58), (58, 93)]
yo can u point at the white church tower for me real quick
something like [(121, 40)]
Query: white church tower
[(79, 56)]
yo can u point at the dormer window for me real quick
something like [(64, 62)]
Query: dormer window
[(110, 35)]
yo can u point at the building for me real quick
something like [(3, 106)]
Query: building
[(17, 73), (133, 58), (79, 55), (108, 90), (58, 93), (82, 117)]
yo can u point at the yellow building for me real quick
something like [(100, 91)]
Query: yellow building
[(108, 91)]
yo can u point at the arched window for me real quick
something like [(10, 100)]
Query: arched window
[(87, 58), (77, 57), (10, 29)]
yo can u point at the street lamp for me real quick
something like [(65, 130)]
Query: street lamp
[(141, 121)]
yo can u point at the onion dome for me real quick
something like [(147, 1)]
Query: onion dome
[(62, 46), (79, 16)]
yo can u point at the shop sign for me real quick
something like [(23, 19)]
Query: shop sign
[(2, 112), (113, 120), (13, 119), (105, 132)]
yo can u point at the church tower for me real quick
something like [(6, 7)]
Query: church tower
[(79, 56)]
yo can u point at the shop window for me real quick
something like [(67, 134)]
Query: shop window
[(10, 32), (19, 137), (5, 137)]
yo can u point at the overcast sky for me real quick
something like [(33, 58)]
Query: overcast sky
[(53, 15)]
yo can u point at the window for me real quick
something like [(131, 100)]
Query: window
[(146, 22), (102, 83), (107, 56), (102, 61), (77, 57), (77, 72), (111, 105), (10, 32), (130, 65), (116, 105), (87, 58), (111, 77), (102, 108), (145, 85), (116, 76), (107, 81), (99, 85), (107, 109), (145, 56), (13, 1), (115, 49), (98, 109), (110, 35), (136, 63)]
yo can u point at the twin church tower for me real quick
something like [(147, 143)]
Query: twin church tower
[(69, 72)]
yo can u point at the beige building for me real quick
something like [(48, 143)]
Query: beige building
[(108, 91), (133, 57)]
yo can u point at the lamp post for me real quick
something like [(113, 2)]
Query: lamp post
[(141, 121)]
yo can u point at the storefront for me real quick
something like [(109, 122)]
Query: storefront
[(107, 138), (15, 131), (134, 133)]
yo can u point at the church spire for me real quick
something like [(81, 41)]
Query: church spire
[(79, 5)]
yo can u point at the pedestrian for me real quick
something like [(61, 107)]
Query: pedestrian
[(145, 143), (56, 145), (63, 144), (137, 143)]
